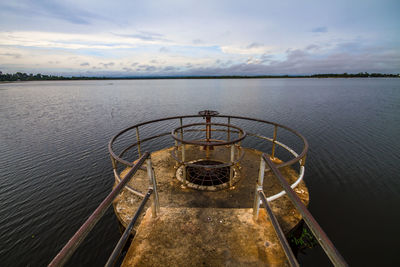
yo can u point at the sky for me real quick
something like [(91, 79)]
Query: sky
[(161, 38)]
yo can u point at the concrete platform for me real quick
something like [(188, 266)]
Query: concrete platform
[(205, 237), (204, 228), (241, 196)]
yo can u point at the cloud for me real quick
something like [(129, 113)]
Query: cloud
[(197, 41), (254, 45), (164, 50), (106, 65), (53, 9), (84, 64), (312, 47), (14, 55), (320, 29), (144, 36)]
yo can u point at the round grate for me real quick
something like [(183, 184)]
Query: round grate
[(208, 176)]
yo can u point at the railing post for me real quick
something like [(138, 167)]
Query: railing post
[(303, 161), (183, 163), (155, 207), (231, 172), (138, 141), (181, 122), (113, 162), (259, 186), (229, 129), (273, 142)]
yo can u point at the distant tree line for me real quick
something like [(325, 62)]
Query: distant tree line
[(19, 76)]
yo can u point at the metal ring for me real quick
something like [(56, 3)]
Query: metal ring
[(208, 143)]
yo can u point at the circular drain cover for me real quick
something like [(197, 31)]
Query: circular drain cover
[(208, 176)]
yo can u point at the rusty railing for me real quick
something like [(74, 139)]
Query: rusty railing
[(319, 234), (67, 251)]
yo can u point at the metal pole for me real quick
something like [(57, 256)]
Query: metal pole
[(184, 165), (231, 172), (273, 141), (320, 235), (113, 162), (122, 241), (259, 186), (229, 129), (155, 207), (138, 141), (67, 251), (278, 230), (181, 122)]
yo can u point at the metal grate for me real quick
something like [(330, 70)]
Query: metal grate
[(208, 176)]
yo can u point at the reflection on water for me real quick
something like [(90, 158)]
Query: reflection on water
[(55, 167)]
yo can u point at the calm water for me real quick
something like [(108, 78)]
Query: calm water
[(55, 169)]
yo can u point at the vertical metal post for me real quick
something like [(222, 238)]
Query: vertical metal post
[(232, 166), (181, 122), (184, 165), (229, 129), (303, 161), (138, 141), (273, 141), (114, 163), (259, 186), (155, 207), (208, 128)]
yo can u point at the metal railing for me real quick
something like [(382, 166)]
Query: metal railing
[(317, 231), (117, 158), (68, 250)]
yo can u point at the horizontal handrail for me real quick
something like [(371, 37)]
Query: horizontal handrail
[(118, 158), (122, 241), (279, 232), (317, 231), (68, 250)]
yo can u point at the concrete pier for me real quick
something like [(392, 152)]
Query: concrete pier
[(207, 228)]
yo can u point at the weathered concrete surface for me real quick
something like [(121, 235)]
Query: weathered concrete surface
[(205, 237), (171, 193)]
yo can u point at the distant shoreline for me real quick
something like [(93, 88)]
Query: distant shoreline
[(20, 77)]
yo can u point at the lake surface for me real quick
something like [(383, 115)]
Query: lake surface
[(55, 168)]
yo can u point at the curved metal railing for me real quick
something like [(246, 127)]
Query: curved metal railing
[(118, 158)]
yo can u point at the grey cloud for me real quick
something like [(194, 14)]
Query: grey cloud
[(14, 55), (134, 64), (106, 65), (312, 47), (197, 41), (164, 50), (127, 69), (85, 64), (301, 62), (150, 68), (254, 45), (169, 68), (320, 29)]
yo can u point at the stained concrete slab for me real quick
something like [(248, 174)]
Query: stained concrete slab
[(205, 237), (241, 196)]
